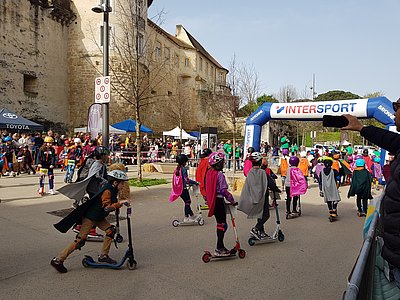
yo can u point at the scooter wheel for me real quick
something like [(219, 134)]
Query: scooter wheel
[(175, 223), (131, 265), (119, 238), (242, 253), (86, 261), (251, 242), (200, 222), (206, 257), (281, 236)]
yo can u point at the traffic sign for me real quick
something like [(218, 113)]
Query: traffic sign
[(102, 89)]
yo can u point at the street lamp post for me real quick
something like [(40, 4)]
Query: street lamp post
[(105, 8)]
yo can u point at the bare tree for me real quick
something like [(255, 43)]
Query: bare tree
[(287, 93), (177, 105), (137, 66), (250, 85)]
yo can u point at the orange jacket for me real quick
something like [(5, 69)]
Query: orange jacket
[(303, 166)]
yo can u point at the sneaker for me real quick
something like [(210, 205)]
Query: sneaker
[(222, 252), (77, 228), (51, 192), (6, 173), (186, 220), (58, 265), (193, 218), (255, 233), (359, 214), (264, 236), (94, 234), (104, 258)]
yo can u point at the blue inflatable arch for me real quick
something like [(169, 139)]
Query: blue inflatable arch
[(379, 108)]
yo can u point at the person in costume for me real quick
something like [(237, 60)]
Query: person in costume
[(295, 185), (95, 213), (202, 170), (328, 186), (217, 191), (361, 187), (47, 158), (180, 185), (254, 197)]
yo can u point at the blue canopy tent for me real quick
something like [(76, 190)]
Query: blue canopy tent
[(10, 120), (129, 125), (196, 134)]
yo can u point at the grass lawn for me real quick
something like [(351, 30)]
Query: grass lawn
[(146, 182)]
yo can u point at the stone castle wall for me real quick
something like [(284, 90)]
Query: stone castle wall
[(33, 49)]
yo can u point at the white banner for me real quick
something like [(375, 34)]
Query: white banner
[(248, 138), (311, 110)]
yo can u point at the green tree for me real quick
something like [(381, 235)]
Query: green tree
[(336, 95), (266, 98)]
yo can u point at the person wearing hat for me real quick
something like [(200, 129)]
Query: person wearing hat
[(390, 208), (97, 209), (328, 186), (361, 187), (47, 160)]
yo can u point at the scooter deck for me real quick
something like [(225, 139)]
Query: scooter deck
[(199, 222), (333, 219)]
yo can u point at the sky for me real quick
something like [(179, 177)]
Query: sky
[(349, 45)]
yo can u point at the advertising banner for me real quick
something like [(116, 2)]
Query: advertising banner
[(312, 110)]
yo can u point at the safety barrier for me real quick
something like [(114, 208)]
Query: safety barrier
[(359, 284)]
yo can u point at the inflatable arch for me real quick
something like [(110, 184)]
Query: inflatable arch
[(379, 108)]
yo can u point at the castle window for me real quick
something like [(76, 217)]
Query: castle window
[(157, 50), (201, 64), (30, 85), (186, 62)]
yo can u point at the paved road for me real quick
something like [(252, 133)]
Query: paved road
[(312, 263)]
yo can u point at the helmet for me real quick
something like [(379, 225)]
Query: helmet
[(365, 152), (255, 156), (328, 161), (360, 162), (48, 139), (303, 154), (181, 159), (117, 175), (251, 150), (350, 159), (215, 158), (377, 159), (77, 140), (7, 139), (66, 142), (100, 150), (206, 152), (294, 161), (285, 151)]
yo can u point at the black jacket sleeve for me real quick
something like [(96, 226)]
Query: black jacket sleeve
[(385, 139)]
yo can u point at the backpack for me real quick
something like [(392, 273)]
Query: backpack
[(83, 171)]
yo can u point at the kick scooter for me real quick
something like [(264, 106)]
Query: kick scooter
[(199, 220), (208, 256), (89, 262), (276, 235)]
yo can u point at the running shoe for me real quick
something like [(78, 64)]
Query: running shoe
[(58, 265), (104, 258), (222, 252)]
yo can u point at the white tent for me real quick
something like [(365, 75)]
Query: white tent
[(346, 143), (176, 134), (110, 130)]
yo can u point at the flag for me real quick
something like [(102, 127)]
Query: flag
[(94, 119)]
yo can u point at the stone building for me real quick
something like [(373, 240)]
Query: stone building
[(34, 59), (51, 52)]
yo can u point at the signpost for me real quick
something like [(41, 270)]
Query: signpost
[(102, 88)]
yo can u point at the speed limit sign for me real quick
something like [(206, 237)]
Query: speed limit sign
[(102, 89)]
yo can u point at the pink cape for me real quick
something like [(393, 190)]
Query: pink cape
[(247, 167), (298, 184), (177, 186)]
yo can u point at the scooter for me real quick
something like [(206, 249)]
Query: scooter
[(295, 214), (199, 220), (276, 235), (89, 262), (235, 251)]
